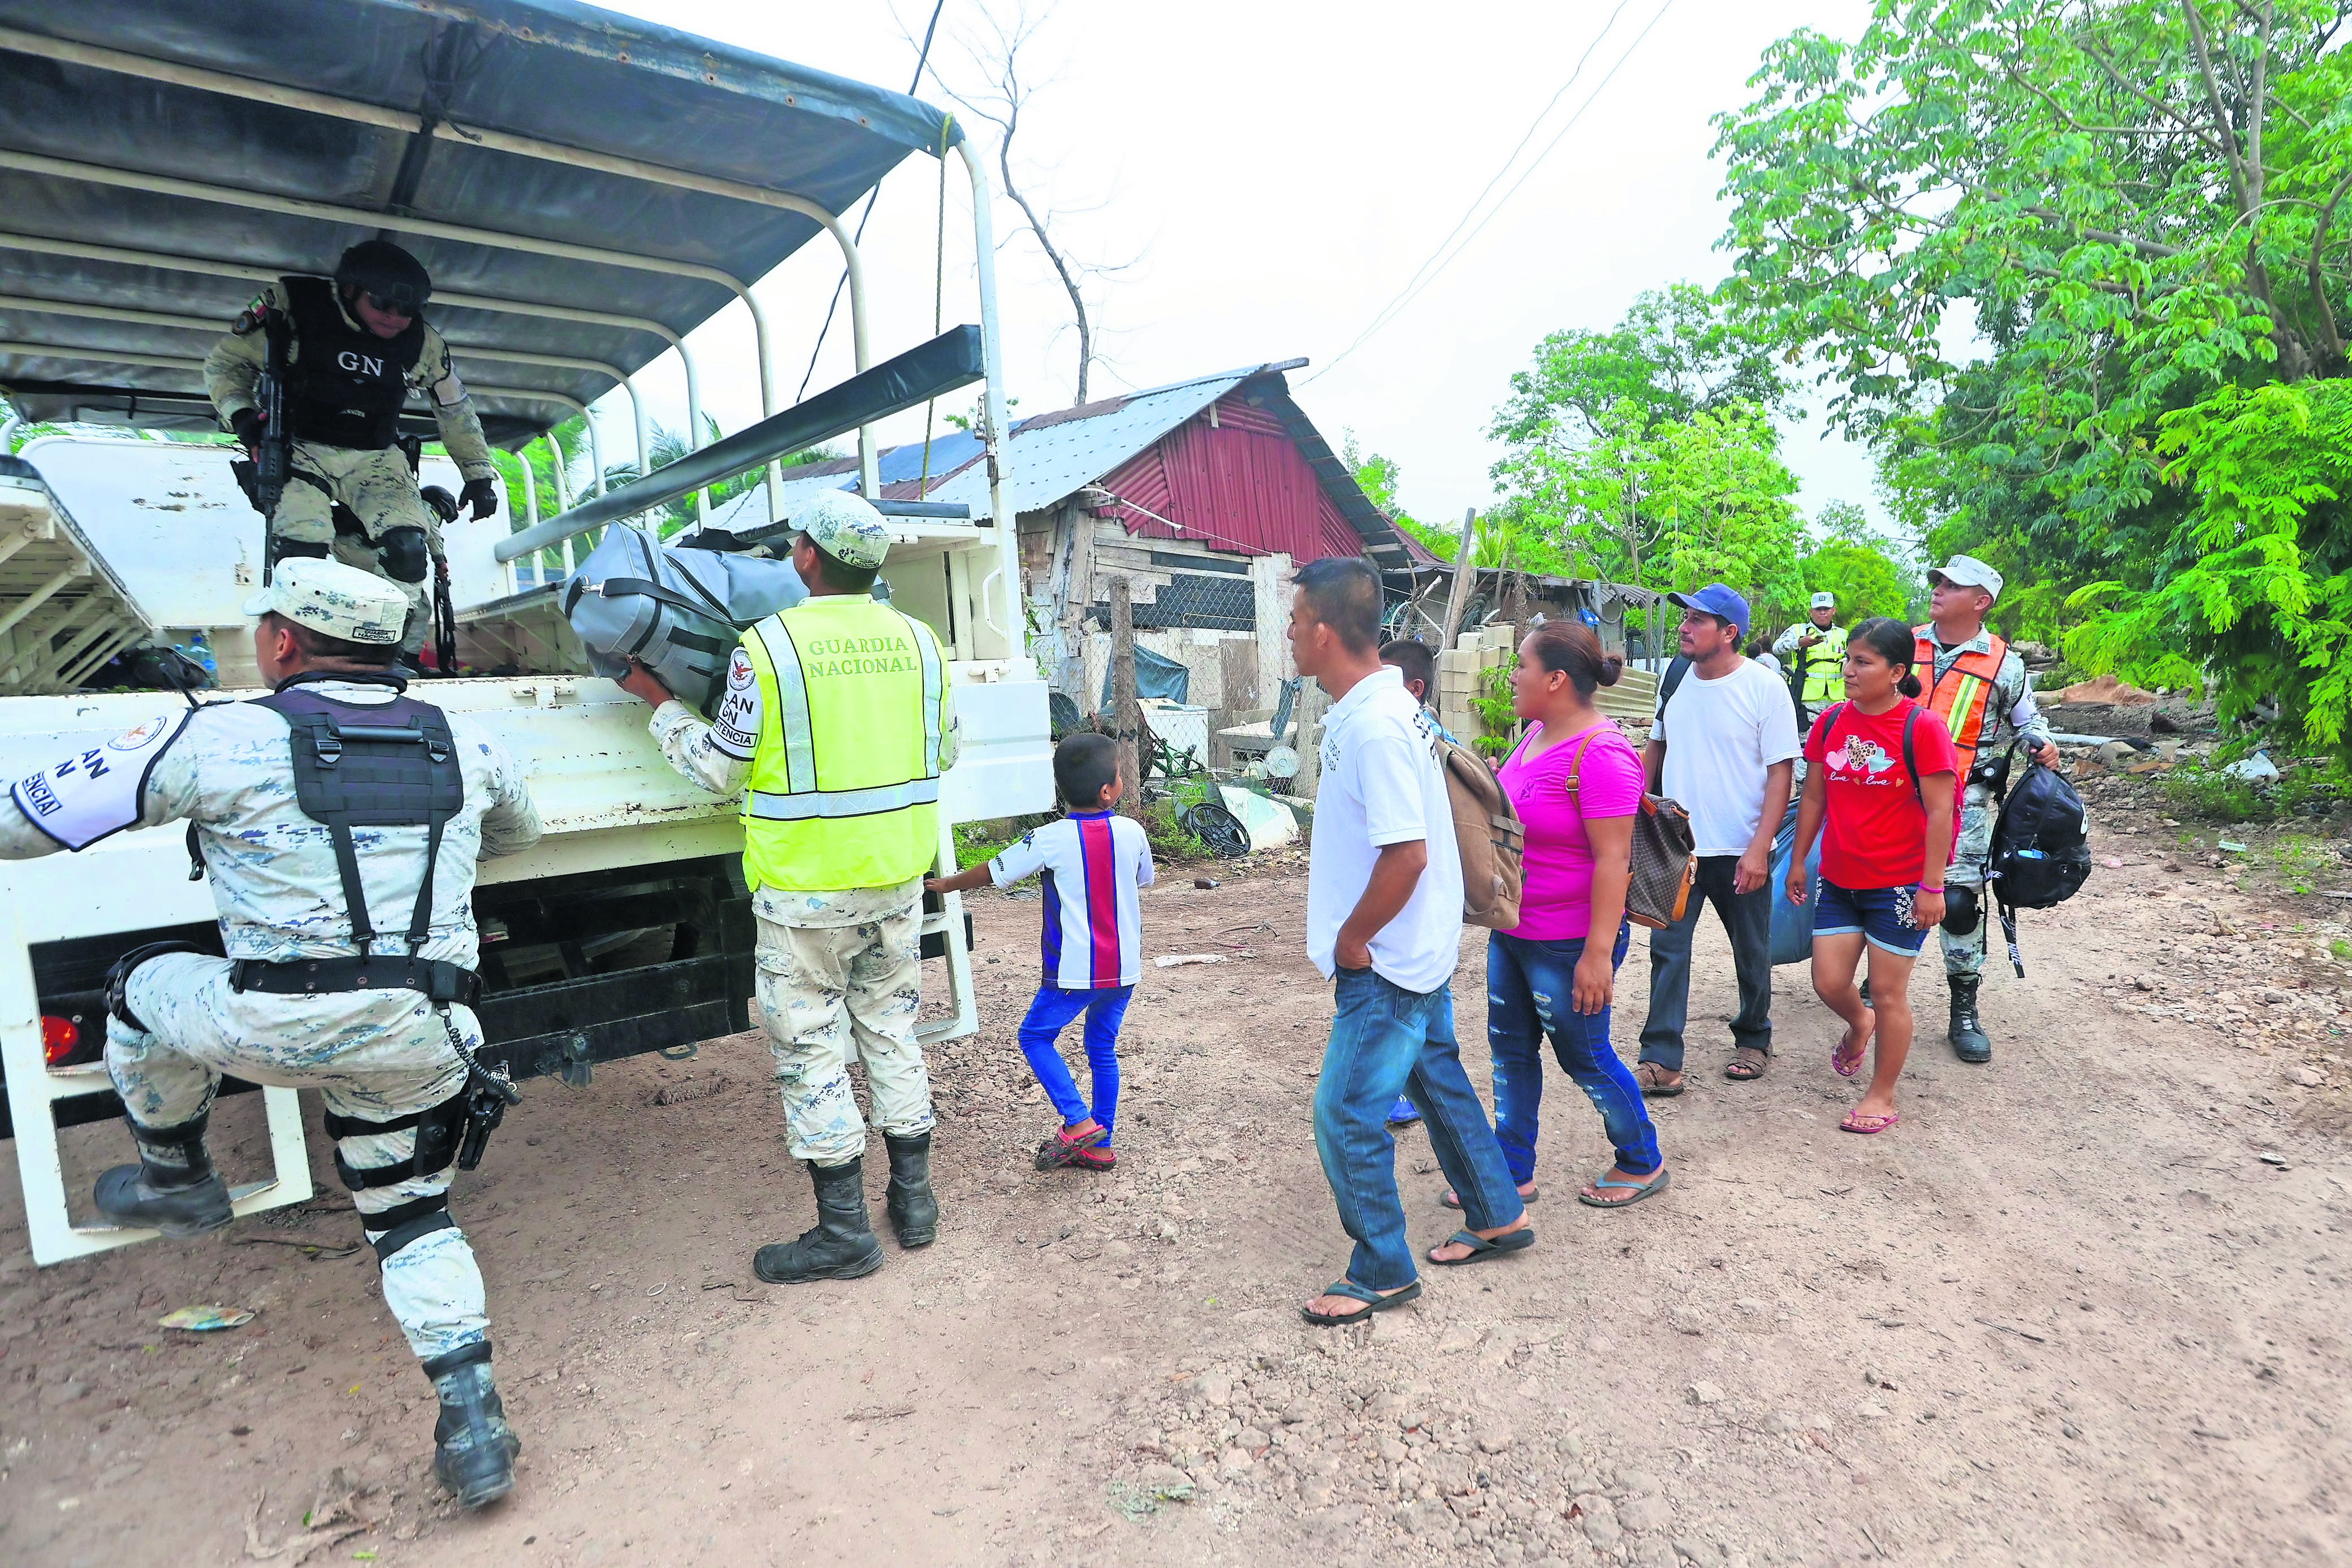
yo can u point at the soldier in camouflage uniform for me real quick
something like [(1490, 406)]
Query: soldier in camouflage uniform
[(839, 963), (383, 1059), (359, 348), (1977, 686)]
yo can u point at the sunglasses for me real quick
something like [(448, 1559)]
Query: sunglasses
[(393, 305)]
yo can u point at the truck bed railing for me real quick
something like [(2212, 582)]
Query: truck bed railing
[(948, 363)]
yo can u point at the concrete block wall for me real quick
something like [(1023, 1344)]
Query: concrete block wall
[(1461, 672)]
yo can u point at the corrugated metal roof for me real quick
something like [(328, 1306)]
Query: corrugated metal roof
[(1053, 454)]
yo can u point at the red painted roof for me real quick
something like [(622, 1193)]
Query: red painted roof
[(1238, 486)]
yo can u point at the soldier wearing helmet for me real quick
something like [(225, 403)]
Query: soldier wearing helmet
[(359, 346)]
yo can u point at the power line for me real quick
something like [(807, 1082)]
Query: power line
[(1419, 283), (872, 196)]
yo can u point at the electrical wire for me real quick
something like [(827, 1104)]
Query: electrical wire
[(1427, 274), (922, 58)]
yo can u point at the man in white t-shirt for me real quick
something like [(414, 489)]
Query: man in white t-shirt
[(1384, 923), (1725, 744)]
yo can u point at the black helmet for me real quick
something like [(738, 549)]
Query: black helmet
[(1961, 910), (382, 268)]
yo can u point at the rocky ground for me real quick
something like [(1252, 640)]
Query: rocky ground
[(2083, 1305)]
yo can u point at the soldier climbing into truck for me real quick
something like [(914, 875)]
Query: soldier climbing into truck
[(347, 352), (305, 998)]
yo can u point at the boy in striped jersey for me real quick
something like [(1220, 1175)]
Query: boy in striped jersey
[(1094, 862)]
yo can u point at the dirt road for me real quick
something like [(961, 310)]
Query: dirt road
[(2085, 1305)]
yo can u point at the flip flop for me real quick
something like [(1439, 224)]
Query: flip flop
[(1847, 1066), (1659, 1181), (1374, 1302), (1483, 1247), (1856, 1122), (1454, 1199), (1652, 1086)]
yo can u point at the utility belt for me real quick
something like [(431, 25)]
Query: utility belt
[(436, 982)]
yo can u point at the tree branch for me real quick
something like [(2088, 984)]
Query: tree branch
[(2146, 248)]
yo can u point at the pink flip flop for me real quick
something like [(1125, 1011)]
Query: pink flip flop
[(1856, 1122), (1847, 1066)]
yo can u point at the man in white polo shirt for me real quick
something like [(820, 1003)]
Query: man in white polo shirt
[(1384, 922), (1725, 744)]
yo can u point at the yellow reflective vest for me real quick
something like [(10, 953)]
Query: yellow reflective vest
[(1825, 667), (844, 784)]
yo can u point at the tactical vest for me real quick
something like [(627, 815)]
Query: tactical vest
[(844, 782), (1823, 664), (346, 386), (369, 765), (1960, 696)]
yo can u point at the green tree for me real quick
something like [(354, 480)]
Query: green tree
[(1676, 354), (2138, 209)]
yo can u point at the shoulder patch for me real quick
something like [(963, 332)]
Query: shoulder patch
[(102, 791), (739, 670), (250, 318)]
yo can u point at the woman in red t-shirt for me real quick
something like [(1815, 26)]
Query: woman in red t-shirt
[(1883, 810)]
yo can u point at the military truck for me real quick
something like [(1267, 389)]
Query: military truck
[(586, 190)]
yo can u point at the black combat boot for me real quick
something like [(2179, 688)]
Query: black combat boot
[(842, 1246), (1968, 1041), (474, 1449), (914, 1212), (174, 1187)]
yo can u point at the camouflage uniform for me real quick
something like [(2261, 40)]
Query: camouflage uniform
[(375, 1055), (376, 486), (838, 970), (2010, 714)]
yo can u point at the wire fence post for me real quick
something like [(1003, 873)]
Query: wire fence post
[(1127, 715)]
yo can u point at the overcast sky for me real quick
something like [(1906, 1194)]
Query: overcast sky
[(1273, 174)]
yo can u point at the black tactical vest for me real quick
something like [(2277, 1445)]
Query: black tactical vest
[(346, 386), (372, 765)]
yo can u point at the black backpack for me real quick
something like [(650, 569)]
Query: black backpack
[(2041, 849)]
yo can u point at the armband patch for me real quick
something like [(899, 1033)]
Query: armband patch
[(101, 791), (449, 392)]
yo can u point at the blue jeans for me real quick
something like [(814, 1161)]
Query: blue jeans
[(1748, 920), (1049, 1012), (1528, 987), (1386, 1040)]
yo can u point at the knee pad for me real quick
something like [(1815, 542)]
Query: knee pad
[(438, 1130), (405, 555), (1962, 913), (287, 549), (118, 978), (403, 1224)]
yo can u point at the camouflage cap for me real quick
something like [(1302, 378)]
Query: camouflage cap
[(334, 600), (844, 525)]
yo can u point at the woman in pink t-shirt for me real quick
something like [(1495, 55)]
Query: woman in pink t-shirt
[(1577, 782)]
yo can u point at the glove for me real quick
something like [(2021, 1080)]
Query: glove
[(482, 495), (246, 422)]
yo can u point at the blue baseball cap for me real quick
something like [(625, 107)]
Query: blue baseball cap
[(1716, 600)]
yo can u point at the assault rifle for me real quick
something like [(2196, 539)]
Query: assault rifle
[(273, 453)]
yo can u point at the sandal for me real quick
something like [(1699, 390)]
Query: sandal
[(1483, 1247), (1856, 1122), (1847, 1066), (1094, 1159), (1454, 1199), (1659, 1181), (1653, 1078), (1747, 1064), (1373, 1303), (1064, 1146)]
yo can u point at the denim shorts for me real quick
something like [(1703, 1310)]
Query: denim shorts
[(1880, 915)]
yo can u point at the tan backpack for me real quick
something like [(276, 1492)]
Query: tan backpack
[(1487, 829)]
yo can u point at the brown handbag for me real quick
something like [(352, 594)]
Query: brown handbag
[(1666, 863)]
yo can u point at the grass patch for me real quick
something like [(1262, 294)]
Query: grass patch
[(2298, 860)]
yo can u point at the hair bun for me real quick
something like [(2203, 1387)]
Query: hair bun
[(1611, 667), (1909, 686)]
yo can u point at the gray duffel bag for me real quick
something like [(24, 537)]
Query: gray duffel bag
[(677, 611)]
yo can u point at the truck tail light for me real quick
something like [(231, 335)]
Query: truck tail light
[(59, 1037)]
